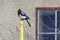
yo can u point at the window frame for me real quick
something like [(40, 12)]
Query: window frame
[(43, 8)]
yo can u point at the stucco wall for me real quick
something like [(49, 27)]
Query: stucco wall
[(9, 20), (9, 29)]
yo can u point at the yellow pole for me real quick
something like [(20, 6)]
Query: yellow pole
[(21, 22)]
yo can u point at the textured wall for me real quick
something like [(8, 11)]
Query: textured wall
[(9, 20), (9, 29)]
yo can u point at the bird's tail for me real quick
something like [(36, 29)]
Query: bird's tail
[(28, 23)]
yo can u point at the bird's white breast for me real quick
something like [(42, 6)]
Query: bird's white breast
[(22, 17)]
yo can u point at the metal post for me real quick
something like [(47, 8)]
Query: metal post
[(21, 24)]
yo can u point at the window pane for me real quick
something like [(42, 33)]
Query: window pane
[(58, 18), (46, 21), (46, 37), (58, 37)]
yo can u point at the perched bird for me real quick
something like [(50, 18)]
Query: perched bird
[(23, 16)]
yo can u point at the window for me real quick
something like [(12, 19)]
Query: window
[(48, 24)]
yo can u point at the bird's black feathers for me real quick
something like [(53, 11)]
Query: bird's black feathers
[(23, 16), (19, 12), (28, 23)]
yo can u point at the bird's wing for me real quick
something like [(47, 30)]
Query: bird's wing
[(25, 15)]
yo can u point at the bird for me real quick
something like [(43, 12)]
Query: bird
[(23, 16)]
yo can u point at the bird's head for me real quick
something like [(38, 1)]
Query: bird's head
[(19, 10)]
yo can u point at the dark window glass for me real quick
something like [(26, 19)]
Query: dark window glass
[(58, 22), (58, 25), (47, 37), (46, 21)]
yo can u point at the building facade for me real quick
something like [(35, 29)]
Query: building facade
[(9, 21)]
